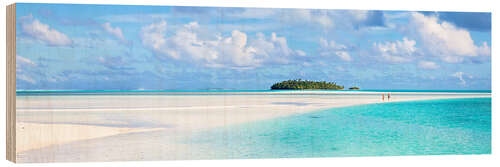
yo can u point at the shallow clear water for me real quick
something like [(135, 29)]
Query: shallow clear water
[(432, 127), (21, 93)]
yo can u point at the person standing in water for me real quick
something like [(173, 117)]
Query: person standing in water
[(388, 96), (383, 96)]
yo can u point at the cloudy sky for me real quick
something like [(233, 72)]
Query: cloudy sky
[(98, 47)]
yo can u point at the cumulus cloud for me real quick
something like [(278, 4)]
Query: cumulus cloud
[(429, 65), (153, 36), (236, 51), (114, 31), (35, 29), (443, 39), (334, 49), (397, 51)]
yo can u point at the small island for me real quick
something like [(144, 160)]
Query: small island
[(299, 84), (354, 88)]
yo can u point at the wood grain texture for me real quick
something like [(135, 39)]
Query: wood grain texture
[(11, 83)]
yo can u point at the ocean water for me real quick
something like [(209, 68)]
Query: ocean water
[(430, 127), (214, 92)]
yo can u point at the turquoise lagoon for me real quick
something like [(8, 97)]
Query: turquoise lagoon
[(430, 127)]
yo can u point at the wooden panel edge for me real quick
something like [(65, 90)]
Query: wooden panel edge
[(11, 83)]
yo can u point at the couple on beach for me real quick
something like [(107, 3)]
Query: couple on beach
[(388, 97)]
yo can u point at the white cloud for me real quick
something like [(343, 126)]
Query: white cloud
[(484, 50), (23, 66), (190, 44), (26, 78), (396, 52), (23, 62), (32, 72), (359, 17), (460, 76), (325, 19), (332, 48), (153, 36), (331, 45), (443, 39), (320, 17), (116, 31), (301, 53), (293, 16), (343, 55), (274, 49), (37, 30), (429, 65)]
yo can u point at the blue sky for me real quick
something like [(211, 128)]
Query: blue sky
[(109, 47)]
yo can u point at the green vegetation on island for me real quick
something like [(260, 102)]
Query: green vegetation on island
[(354, 88), (300, 84)]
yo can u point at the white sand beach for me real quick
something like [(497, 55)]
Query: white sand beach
[(33, 135), (80, 125)]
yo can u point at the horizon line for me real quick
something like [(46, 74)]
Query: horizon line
[(243, 90)]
